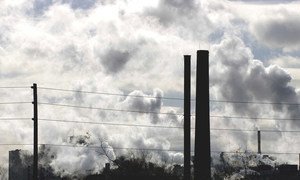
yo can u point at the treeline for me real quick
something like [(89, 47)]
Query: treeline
[(239, 165), (138, 169)]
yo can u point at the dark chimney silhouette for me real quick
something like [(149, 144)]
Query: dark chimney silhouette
[(202, 132)]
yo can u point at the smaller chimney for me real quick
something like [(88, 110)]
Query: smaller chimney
[(258, 143), (107, 167)]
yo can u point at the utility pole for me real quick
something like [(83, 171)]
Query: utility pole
[(187, 117), (258, 143), (35, 132), (202, 132)]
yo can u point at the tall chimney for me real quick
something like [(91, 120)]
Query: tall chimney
[(202, 133), (187, 117), (258, 143)]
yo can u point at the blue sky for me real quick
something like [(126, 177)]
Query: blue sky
[(137, 47)]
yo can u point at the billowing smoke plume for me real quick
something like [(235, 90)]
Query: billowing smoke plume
[(236, 76), (90, 146), (239, 77)]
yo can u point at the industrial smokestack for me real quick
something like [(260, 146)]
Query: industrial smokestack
[(202, 132), (107, 167), (187, 117), (258, 143)]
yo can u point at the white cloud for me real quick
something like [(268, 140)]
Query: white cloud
[(274, 25), (278, 29), (291, 64), (265, 1), (286, 61)]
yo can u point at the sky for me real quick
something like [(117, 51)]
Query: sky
[(136, 47)]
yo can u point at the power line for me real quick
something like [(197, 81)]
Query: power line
[(15, 87), (146, 126), (239, 130), (256, 118), (169, 98), (108, 109), (111, 124), (255, 130), (14, 119), (279, 131), (167, 127), (15, 144), (76, 146), (150, 112), (118, 148), (7, 103), (91, 146), (256, 102), (144, 96), (242, 152), (111, 94)]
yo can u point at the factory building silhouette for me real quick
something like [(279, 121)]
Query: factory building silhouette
[(17, 168), (20, 167)]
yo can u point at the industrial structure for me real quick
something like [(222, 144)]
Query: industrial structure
[(18, 168)]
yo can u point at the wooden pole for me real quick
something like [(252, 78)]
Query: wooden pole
[(35, 132)]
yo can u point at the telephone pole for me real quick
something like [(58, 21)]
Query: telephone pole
[(187, 117), (35, 132)]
